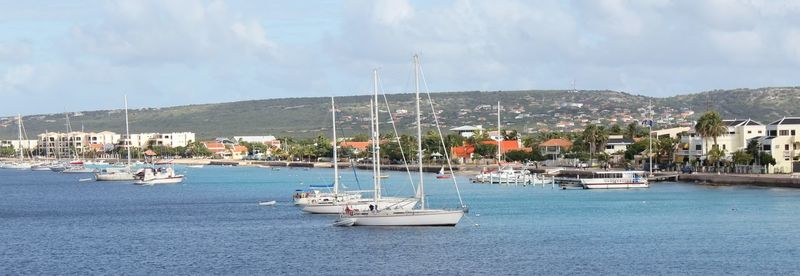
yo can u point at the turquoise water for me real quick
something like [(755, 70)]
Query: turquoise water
[(53, 224)]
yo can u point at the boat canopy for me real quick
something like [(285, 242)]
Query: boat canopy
[(620, 172), (320, 186)]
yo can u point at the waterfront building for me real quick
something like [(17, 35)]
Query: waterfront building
[(781, 141), (25, 144), (223, 151), (739, 132), (66, 144), (617, 143), (173, 139), (266, 140), (468, 131), (555, 147), (670, 132)]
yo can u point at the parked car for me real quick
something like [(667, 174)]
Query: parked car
[(687, 169)]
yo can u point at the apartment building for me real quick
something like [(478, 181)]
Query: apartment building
[(739, 132), (782, 143)]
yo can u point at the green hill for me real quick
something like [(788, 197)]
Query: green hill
[(522, 110)]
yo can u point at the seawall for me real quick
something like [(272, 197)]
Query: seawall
[(743, 179)]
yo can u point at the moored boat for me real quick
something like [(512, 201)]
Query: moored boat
[(615, 180), (416, 217)]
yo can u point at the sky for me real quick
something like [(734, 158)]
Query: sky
[(58, 56)]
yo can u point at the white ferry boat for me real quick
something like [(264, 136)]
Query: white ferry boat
[(615, 180)]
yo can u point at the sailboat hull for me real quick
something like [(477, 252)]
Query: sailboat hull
[(359, 206), (407, 218), (117, 176)]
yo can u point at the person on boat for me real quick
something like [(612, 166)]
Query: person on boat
[(371, 208), (348, 211)]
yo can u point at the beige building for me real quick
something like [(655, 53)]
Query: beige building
[(25, 144), (669, 132), (173, 139), (782, 143), (739, 132)]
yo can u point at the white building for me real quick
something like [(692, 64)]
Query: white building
[(25, 144), (739, 132), (266, 140), (468, 131), (173, 139), (669, 132), (617, 143), (782, 143)]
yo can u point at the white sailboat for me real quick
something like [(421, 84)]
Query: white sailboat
[(342, 202), (120, 174), (415, 217), (21, 164)]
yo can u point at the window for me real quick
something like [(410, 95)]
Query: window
[(749, 131), (759, 132), (723, 147), (772, 133), (731, 132), (792, 132), (766, 147), (609, 147), (784, 132), (786, 147), (698, 147)]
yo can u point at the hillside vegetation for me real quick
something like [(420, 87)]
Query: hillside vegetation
[(523, 110)]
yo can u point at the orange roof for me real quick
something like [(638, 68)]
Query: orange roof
[(241, 149), (97, 147), (557, 142), (462, 151), (356, 145), (505, 146), (212, 146)]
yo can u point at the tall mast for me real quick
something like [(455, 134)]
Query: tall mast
[(419, 134), (19, 144), (335, 156), (376, 188), (650, 134), (127, 133), (377, 136), (499, 136)]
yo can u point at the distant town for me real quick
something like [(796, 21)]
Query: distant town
[(731, 145)]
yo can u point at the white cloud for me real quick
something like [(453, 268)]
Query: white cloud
[(156, 32)]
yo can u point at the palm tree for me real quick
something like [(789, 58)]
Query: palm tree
[(595, 137), (710, 125), (632, 129)]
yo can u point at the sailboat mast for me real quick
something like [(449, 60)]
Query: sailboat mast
[(19, 144), (127, 133), (499, 136), (376, 188), (419, 134), (377, 136), (335, 156)]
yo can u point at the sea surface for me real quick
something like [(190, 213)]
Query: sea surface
[(53, 224)]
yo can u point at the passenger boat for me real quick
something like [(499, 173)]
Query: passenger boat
[(615, 180)]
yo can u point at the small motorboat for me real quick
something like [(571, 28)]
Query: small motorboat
[(267, 203)]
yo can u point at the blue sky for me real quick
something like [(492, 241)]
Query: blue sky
[(60, 56)]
